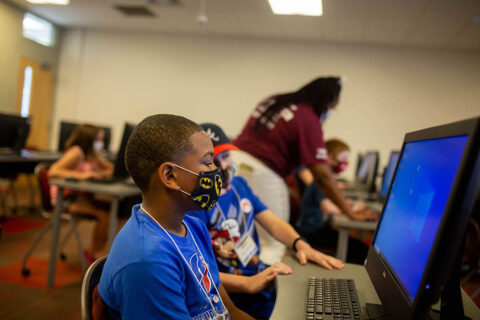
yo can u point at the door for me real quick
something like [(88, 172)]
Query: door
[(34, 99)]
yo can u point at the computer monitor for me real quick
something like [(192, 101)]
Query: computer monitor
[(120, 170), (66, 130), (367, 171), (419, 240), (14, 132), (388, 174)]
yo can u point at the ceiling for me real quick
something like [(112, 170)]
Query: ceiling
[(441, 24)]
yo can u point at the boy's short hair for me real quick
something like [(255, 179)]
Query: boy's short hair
[(335, 146), (155, 140)]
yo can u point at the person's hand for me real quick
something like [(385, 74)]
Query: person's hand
[(91, 175), (357, 206), (263, 279), (365, 214), (306, 253)]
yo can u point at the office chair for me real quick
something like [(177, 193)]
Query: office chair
[(47, 212), (90, 281)]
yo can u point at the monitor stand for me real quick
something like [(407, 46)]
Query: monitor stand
[(451, 298), (376, 311)]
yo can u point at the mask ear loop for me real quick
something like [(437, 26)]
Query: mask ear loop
[(176, 165)]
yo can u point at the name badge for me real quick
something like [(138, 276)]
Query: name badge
[(245, 249)]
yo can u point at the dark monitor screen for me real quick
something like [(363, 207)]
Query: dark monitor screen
[(387, 177), (67, 128), (367, 171), (14, 132), (424, 217), (120, 170)]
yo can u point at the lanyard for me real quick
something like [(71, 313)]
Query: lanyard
[(239, 209), (193, 273)]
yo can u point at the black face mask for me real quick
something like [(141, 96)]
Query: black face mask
[(208, 188)]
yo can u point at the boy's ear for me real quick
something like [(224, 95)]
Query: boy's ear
[(167, 174)]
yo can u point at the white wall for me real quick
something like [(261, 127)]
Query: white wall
[(14, 46), (109, 77)]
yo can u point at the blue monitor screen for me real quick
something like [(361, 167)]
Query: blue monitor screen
[(415, 206), (389, 173)]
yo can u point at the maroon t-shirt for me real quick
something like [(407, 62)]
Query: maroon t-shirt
[(292, 139)]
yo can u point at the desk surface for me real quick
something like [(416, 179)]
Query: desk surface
[(30, 156), (119, 189), (343, 221), (292, 289)]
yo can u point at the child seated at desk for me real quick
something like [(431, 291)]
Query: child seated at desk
[(82, 160), (316, 208), (235, 241), (161, 265)]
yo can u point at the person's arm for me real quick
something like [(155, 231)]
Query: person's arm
[(106, 167), (64, 167), (305, 175), (324, 179), (235, 313), (284, 232), (253, 284)]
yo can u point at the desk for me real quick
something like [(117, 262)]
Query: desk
[(292, 289), (344, 224), (117, 190), (11, 164)]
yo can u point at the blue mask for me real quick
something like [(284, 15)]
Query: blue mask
[(326, 115)]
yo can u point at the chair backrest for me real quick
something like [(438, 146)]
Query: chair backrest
[(90, 280), (41, 171), (472, 244)]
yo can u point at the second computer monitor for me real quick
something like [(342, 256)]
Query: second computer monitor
[(120, 170), (67, 128), (388, 174), (367, 171), (14, 132), (418, 239)]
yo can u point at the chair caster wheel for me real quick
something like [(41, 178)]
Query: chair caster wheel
[(25, 272)]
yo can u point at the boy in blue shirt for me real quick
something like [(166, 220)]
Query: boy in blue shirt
[(161, 265), (235, 239)]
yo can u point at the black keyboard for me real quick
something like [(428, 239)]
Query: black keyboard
[(329, 299)]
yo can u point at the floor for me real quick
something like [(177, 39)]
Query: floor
[(19, 301)]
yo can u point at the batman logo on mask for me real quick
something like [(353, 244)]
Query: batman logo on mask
[(206, 183), (218, 184), (202, 200)]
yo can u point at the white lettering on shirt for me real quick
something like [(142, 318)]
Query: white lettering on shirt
[(321, 154)]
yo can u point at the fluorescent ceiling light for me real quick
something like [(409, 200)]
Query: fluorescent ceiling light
[(297, 7), (60, 2)]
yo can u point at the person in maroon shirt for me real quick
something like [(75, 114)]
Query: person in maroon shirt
[(285, 132)]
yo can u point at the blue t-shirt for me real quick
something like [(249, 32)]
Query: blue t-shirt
[(145, 276), (232, 217), (311, 219)]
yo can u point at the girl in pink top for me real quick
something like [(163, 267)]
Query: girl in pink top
[(82, 160)]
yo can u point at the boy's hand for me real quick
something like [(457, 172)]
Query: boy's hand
[(263, 279), (305, 253)]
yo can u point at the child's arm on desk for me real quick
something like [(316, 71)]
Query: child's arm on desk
[(253, 284), (284, 232), (64, 167)]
